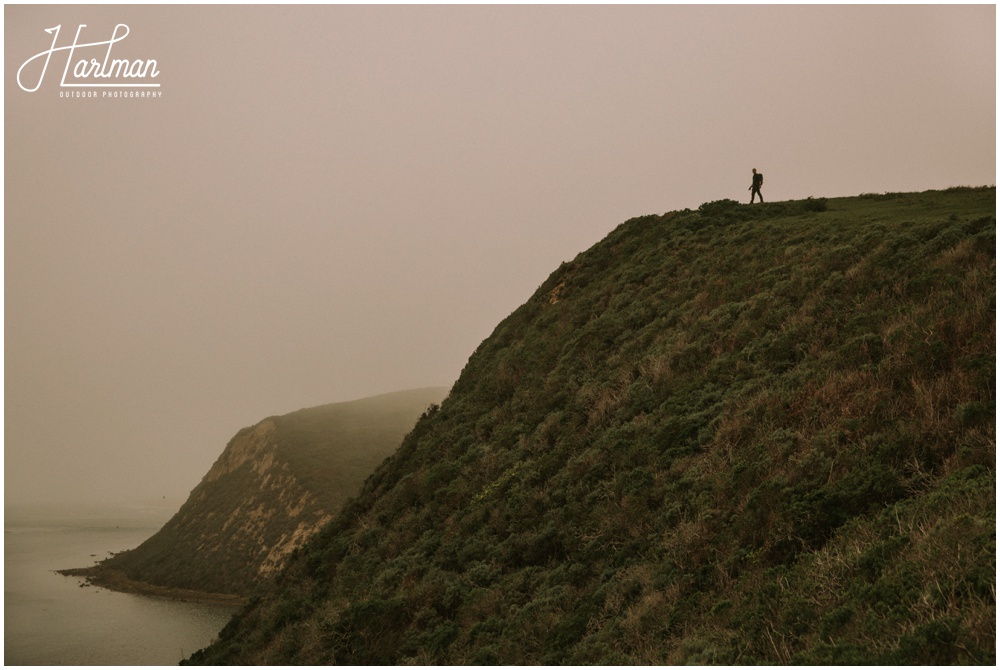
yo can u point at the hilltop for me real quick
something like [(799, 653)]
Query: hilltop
[(736, 435), (275, 484)]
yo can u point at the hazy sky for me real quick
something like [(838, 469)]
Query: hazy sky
[(326, 203)]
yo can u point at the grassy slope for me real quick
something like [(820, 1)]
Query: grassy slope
[(219, 538), (736, 435)]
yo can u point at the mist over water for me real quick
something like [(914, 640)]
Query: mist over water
[(50, 619), (329, 203)]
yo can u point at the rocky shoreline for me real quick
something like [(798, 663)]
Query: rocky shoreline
[(116, 580)]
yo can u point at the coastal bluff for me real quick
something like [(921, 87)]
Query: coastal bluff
[(738, 435), (275, 484)]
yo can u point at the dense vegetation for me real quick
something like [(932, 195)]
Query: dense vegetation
[(743, 434), (274, 485)]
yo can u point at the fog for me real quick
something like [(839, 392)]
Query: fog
[(328, 203)]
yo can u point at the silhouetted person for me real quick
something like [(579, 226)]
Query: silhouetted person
[(758, 181)]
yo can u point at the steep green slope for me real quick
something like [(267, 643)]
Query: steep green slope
[(274, 485), (734, 435)]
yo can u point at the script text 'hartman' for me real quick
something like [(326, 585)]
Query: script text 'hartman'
[(91, 72)]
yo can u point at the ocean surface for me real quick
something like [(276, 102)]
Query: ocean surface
[(50, 619)]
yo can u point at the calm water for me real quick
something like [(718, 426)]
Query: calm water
[(50, 619)]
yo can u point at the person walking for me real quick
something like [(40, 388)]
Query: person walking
[(758, 181)]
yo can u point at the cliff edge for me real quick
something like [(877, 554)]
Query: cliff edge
[(732, 436)]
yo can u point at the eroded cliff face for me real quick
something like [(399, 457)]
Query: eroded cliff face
[(276, 514), (277, 504), (274, 486), (246, 447)]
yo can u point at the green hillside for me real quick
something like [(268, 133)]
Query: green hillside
[(737, 435), (275, 484)]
